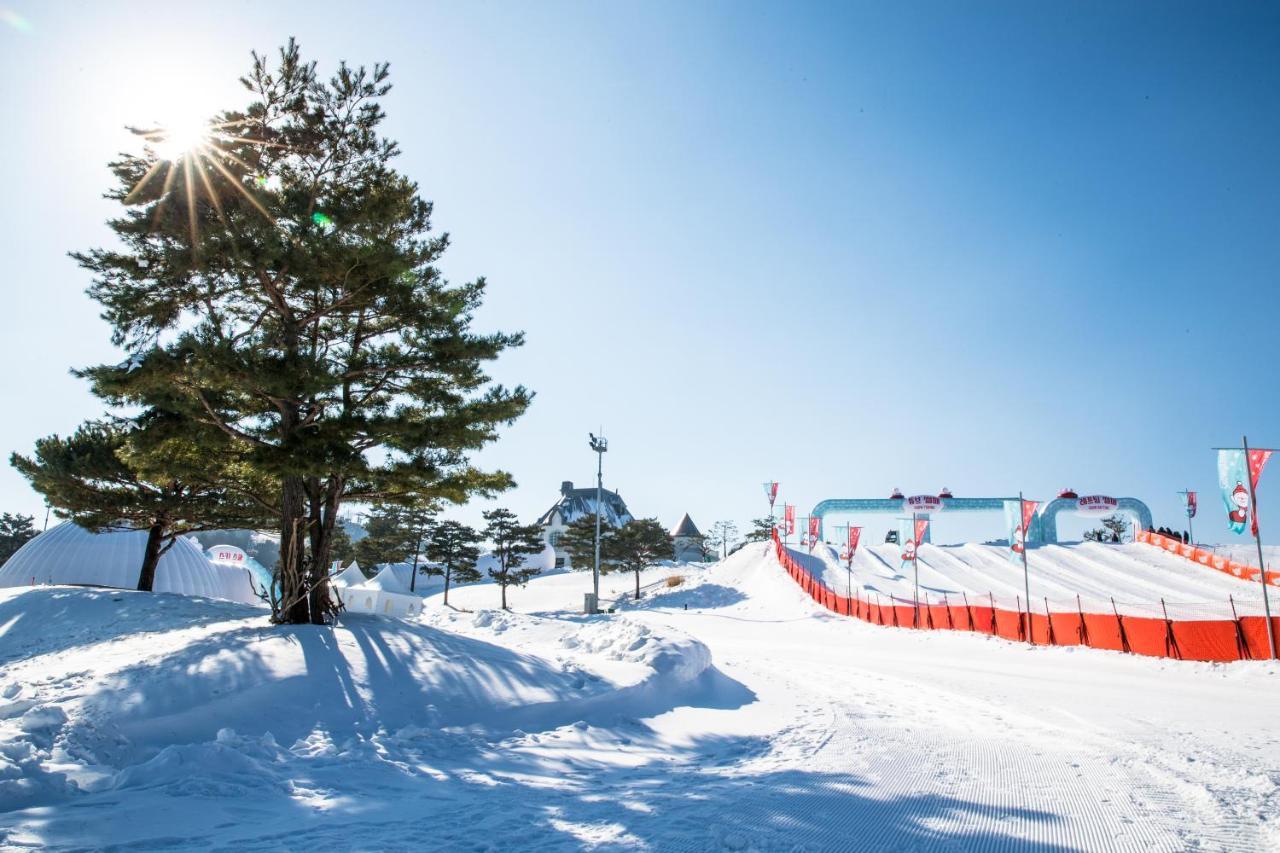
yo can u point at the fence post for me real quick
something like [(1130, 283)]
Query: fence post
[(1124, 638), (1084, 629), (1170, 642), (1049, 619), (946, 602), (968, 611), (1240, 640), (1022, 620), (992, 596)]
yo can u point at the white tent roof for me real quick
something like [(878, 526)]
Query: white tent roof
[(386, 581), (69, 554), (350, 576)]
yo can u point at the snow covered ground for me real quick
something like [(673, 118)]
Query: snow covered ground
[(724, 713)]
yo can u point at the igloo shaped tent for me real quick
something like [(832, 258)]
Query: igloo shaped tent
[(69, 554), (383, 594)]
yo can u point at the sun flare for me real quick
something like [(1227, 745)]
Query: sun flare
[(176, 140)]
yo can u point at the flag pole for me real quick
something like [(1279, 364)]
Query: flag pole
[(1026, 575), (1257, 536), (915, 564)]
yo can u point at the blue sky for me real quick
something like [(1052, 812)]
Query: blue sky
[(846, 247)]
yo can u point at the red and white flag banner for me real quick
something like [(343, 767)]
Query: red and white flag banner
[(1028, 510), (789, 517), (922, 525), (1257, 461), (815, 524), (771, 491), (855, 533)]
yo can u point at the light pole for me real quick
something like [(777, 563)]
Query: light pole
[(600, 446)]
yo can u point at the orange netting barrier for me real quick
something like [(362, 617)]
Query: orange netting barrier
[(1205, 557), (1241, 638)]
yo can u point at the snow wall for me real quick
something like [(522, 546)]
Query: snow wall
[(1243, 638)]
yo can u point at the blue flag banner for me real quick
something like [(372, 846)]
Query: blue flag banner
[(1233, 470), (906, 541), (1016, 535)]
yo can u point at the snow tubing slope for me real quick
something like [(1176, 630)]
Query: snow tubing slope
[(947, 605)]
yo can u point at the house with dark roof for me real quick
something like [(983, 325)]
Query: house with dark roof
[(686, 541), (574, 504)]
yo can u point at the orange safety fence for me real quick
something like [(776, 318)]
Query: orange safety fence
[(1205, 557), (1224, 640)]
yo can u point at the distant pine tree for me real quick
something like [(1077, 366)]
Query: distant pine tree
[(513, 545), (15, 531), (578, 540), (761, 529), (455, 548), (637, 545)]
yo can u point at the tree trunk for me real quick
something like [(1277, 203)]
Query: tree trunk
[(151, 558), (448, 575), (502, 583), (637, 584), (413, 576), (324, 518), (292, 607)]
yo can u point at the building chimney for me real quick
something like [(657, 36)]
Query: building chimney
[(566, 487)]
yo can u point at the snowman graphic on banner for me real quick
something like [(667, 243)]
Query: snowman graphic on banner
[(1238, 517)]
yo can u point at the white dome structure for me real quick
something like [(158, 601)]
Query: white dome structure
[(69, 554), (383, 594)]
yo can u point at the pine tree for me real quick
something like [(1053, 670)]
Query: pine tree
[(15, 531), (278, 283), (101, 479), (1116, 528), (455, 548), (388, 540), (578, 540), (761, 529), (637, 545), (513, 545)]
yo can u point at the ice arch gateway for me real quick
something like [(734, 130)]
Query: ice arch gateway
[(1044, 525)]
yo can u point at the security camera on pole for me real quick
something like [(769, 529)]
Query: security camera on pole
[(600, 446)]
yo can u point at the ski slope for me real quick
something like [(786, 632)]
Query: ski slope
[(725, 713), (1136, 576)]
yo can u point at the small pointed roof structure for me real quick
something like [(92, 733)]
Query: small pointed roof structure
[(686, 527), (386, 581), (350, 576)]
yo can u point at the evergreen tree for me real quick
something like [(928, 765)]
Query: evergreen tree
[(1116, 528), (341, 548), (578, 540), (637, 545), (455, 548), (513, 545), (102, 479), (279, 284), (388, 540), (15, 531), (761, 529)]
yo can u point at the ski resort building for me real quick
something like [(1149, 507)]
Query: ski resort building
[(687, 541), (69, 554), (574, 504)]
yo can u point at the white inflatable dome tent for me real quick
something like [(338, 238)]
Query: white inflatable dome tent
[(69, 554)]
